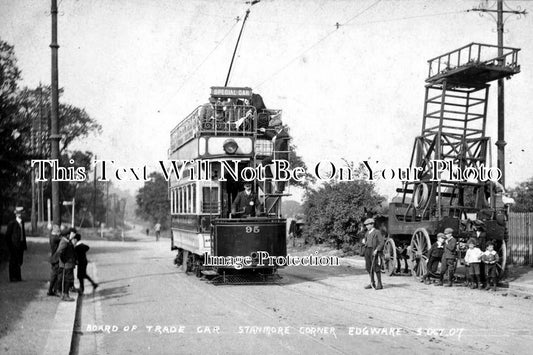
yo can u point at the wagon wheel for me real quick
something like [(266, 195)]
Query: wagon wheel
[(503, 260), (389, 256), (418, 252)]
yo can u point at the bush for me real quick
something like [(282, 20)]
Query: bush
[(334, 211)]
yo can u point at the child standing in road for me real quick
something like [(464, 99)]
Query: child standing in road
[(81, 257), (490, 258), (472, 261), (435, 256)]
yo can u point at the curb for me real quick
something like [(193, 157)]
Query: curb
[(61, 330)]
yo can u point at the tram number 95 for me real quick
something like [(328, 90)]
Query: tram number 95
[(250, 229)]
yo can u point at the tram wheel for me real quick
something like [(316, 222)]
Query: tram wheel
[(190, 263), (390, 258), (198, 267), (418, 252)]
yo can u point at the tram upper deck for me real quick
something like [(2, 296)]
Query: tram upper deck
[(229, 113)]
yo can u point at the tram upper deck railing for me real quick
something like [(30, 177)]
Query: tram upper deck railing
[(475, 63), (219, 120)]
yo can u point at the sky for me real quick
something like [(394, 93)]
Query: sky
[(354, 92)]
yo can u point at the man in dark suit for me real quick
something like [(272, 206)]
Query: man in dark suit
[(481, 235), (246, 204), (280, 142), (16, 244), (448, 257), (374, 243)]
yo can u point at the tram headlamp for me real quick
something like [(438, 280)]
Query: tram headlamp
[(230, 146)]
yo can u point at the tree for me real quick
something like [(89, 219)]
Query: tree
[(523, 196), (290, 208), (295, 161), (152, 200), (74, 122), (334, 210), (24, 131), (11, 149)]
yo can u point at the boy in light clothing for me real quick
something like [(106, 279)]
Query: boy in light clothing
[(490, 258), (472, 262)]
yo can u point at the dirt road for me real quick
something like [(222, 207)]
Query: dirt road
[(146, 305)]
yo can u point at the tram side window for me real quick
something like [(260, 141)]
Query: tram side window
[(193, 198), (176, 200), (182, 199), (190, 208), (210, 200), (172, 201)]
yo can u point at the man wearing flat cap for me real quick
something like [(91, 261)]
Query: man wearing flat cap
[(449, 257), (374, 243), (246, 204), (16, 243)]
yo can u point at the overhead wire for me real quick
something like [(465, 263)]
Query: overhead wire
[(329, 24), (208, 55), (318, 42), (195, 70)]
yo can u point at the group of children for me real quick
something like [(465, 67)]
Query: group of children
[(67, 251), (474, 258)]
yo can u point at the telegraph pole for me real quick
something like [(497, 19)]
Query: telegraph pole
[(500, 144), (40, 215), (94, 193), (54, 133)]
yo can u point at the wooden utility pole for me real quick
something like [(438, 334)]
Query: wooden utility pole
[(94, 193), (54, 132), (40, 209), (33, 142), (499, 11)]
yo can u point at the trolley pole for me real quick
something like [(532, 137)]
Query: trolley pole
[(500, 144), (252, 3), (236, 46), (54, 133)]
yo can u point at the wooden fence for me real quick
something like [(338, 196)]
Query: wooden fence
[(520, 246)]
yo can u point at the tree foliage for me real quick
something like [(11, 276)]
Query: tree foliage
[(24, 132), (152, 200), (11, 149), (523, 196), (334, 210), (74, 122), (295, 161)]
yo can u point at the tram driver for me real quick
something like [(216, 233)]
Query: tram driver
[(246, 204)]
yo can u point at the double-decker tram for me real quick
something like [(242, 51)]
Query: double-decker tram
[(217, 229)]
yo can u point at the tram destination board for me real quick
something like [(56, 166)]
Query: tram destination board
[(240, 92)]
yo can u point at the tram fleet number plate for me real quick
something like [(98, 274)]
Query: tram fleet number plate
[(252, 229)]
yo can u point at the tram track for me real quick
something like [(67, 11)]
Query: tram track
[(223, 303), (387, 303), (341, 304)]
